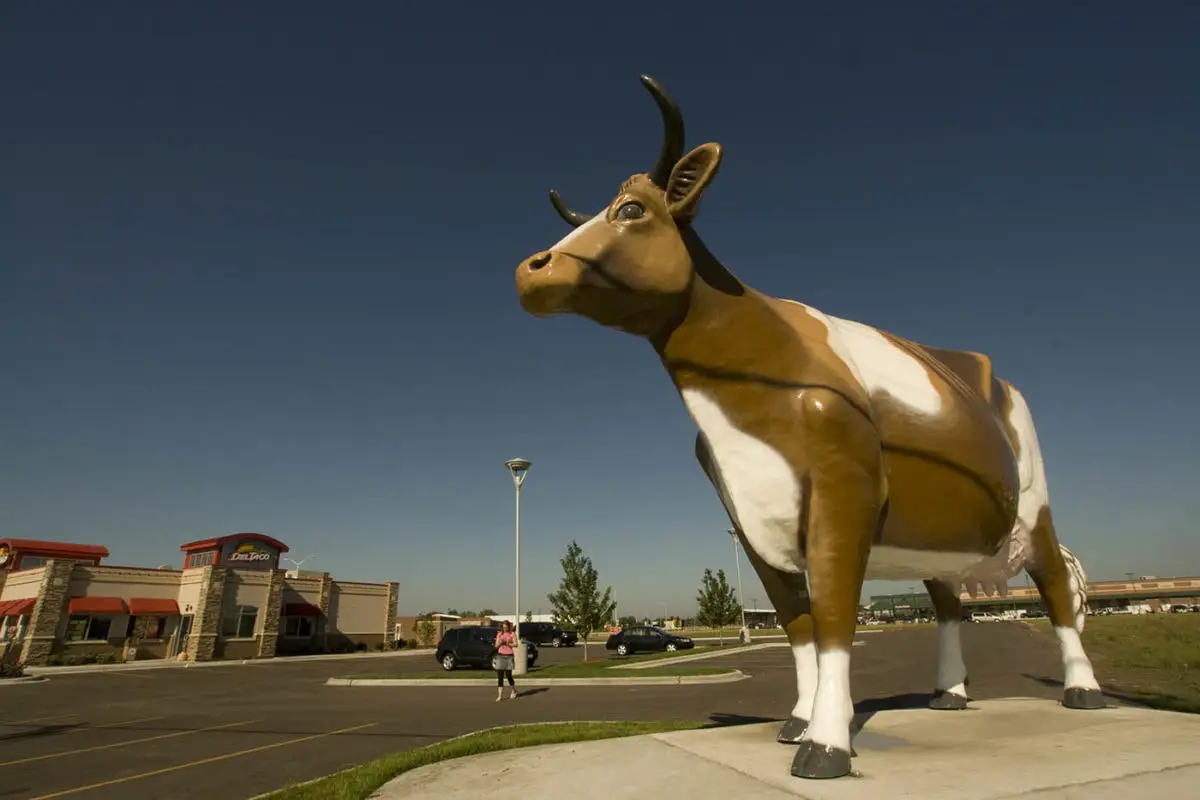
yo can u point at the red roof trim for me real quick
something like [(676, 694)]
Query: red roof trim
[(17, 608), (96, 605), (153, 606), (36, 547), (212, 544), (301, 610)]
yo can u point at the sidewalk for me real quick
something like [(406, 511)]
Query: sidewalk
[(1004, 749), (170, 663)]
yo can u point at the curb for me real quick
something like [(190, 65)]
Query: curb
[(683, 659), (732, 676), (24, 679), (168, 664)]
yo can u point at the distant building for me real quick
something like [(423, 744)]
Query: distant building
[(60, 604)]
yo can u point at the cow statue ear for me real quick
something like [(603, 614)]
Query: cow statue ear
[(689, 178)]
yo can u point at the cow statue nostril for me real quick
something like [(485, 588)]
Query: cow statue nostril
[(539, 261)]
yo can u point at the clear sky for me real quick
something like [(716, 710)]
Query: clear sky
[(256, 266)]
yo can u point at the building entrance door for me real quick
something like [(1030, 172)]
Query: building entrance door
[(181, 637)]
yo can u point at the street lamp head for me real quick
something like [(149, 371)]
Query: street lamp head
[(518, 467)]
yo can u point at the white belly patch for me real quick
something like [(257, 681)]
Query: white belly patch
[(897, 564), (760, 487)]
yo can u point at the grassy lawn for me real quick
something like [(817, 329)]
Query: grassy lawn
[(1147, 658), (361, 782)]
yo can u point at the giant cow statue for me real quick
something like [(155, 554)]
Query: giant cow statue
[(840, 451)]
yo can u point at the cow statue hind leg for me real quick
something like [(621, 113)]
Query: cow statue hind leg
[(1065, 601), (1060, 580), (950, 688)]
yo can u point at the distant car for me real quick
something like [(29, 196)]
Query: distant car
[(548, 633), (646, 639), (471, 646)]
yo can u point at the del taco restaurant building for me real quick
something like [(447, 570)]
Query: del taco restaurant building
[(60, 604)]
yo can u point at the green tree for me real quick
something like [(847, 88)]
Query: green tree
[(488, 612), (529, 616), (716, 602), (425, 631), (578, 604), (627, 621)]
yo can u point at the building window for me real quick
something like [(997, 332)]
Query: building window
[(241, 624), (152, 627), (201, 559), (87, 628), (29, 562), (299, 627)]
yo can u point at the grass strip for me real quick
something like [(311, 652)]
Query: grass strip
[(1152, 659), (360, 782)]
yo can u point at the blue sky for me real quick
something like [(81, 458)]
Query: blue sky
[(256, 266)]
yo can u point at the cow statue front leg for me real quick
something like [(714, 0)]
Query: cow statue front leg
[(950, 688), (788, 593), (838, 541)]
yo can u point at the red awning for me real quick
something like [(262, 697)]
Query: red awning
[(17, 608), (96, 605), (152, 606), (301, 610)]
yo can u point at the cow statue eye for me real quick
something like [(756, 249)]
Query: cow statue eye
[(631, 211)]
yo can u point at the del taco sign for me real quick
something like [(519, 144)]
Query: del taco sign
[(250, 553)]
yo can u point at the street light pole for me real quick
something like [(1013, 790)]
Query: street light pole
[(745, 633), (519, 468)]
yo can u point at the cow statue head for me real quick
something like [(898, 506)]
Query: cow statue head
[(632, 265)]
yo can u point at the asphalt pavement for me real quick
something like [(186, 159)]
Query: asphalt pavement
[(232, 732)]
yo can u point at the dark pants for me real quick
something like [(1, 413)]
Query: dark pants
[(501, 674)]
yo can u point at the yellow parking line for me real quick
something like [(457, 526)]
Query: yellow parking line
[(201, 762), (123, 744), (37, 719), (117, 724)]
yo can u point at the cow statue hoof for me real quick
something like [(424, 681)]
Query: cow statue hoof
[(819, 761), (1088, 699), (947, 701), (791, 731)]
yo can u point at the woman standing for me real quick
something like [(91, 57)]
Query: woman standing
[(506, 640)]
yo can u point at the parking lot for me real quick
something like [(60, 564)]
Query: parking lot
[(239, 730)]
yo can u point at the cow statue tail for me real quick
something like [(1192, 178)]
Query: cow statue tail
[(1079, 596)]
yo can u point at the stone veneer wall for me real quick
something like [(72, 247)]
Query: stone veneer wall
[(206, 625), (47, 615), (389, 623), (269, 638), (323, 603)]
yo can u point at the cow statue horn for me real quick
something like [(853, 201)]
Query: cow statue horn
[(668, 155)]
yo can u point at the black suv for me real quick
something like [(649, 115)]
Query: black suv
[(548, 633), (646, 639), (471, 646)]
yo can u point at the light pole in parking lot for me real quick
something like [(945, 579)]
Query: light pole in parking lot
[(741, 597), (519, 468)]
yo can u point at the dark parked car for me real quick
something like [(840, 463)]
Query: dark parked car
[(548, 633), (646, 639), (471, 646)]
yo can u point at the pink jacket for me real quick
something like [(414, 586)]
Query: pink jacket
[(505, 643)]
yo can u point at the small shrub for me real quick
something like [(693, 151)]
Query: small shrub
[(12, 671)]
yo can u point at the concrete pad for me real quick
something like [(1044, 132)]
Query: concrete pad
[(999, 750), (638, 766)]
